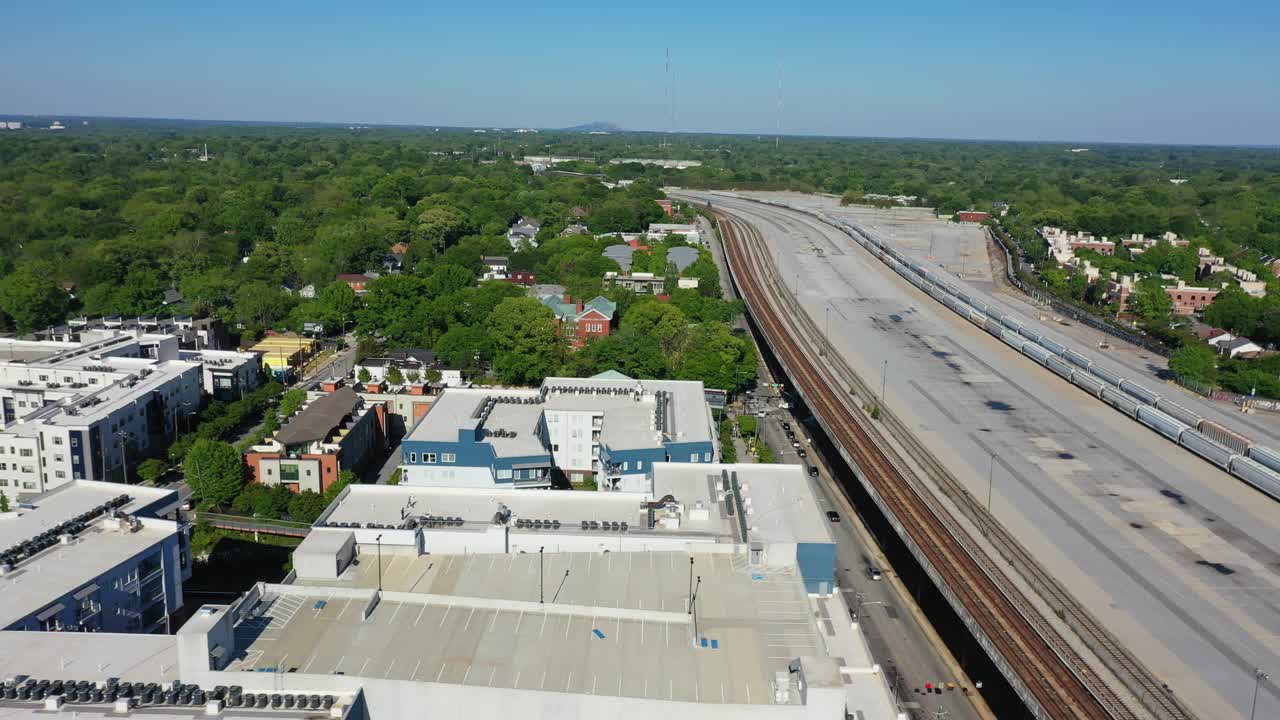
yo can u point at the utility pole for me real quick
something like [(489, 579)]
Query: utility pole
[(690, 595), (884, 379), (379, 541), (540, 566), (693, 609), (1258, 677), (991, 472)]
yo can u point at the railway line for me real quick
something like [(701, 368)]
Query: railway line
[(1054, 679)]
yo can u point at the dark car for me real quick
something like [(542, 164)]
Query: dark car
[(813, 471), (834, 516), (801, 452), (786, 426)]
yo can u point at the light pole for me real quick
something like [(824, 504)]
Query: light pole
[(690, 586), (1258, 677), (826, 329), (991, 473), (693, 609), (540, 549), (884, 379), (379, 541)]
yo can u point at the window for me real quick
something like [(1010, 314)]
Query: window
[(624, 466), (28, 469), (693, 457), (58, 458), (59, 474), (428, 457), (448, 457), (44, 378), (413, 457), (555, 447), (639, 464), (57, 440), (706, 457), (504, 474)]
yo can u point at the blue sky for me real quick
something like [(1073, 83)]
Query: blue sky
[(1125, 70)]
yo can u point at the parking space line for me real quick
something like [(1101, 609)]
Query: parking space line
[(492, 672), (569, 683), (389, 666), (445, 616), (344, 609), (415, 620), (335, 667), (496, 613), (439, 674), (543, 685), (363, 666), (466, 675), (308, 665), (469, 616), (414, 674)]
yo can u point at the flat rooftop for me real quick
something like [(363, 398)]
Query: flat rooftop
[(779, 505), (616, 626), (36, 582), (629, 422), (88, 656)]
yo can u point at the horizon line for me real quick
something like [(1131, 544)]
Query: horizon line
[(621, 131)]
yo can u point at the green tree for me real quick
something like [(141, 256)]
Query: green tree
[(394, 376), (1233, 309), (1195, 362), (32, 298), (527, 346), (214, 470), (260, 305), (306, 506), (345, 478), (1149, 301), (4, 502), (337, 304), (364, 376), (438, 227), (747, 424), (151, 470), (291, 401)]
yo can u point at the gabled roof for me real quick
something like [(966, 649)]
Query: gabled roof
[(494, 260), (600, 304)]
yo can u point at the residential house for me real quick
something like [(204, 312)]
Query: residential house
[(582, 322), (659, 231), (524, 230), (496, 267), (639, 283), (522, 277), (356, 281), (666, 207)]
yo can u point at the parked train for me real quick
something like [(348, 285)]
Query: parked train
[(1255, 464)]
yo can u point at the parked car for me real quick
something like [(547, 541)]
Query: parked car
[(874, 573), (834, 516), (795, 443), (802, 453), (813, 471), (786, 426)]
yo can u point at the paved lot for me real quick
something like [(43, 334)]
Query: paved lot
[(1178, 558)]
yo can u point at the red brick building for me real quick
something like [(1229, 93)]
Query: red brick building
[(973, 216), (666, 207), (1188, 300), (522, 277), (356, 282)]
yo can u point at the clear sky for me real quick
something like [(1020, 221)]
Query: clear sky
[(1122, 70)]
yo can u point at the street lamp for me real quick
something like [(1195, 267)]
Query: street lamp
[(1258, 677), (378, 540), (884, 379), (991, 472), (540, 566)]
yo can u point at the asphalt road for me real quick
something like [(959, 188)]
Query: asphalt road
[(1176, 558)]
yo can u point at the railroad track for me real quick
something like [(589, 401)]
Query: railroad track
[(1152, 694), (1048, 673)]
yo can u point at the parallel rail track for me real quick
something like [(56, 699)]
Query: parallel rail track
[(1048, 673)]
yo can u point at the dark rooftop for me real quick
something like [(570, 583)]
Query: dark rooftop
[(318, 419)]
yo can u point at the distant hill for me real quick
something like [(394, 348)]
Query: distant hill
[(597, 126)]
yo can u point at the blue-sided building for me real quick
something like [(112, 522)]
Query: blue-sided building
[(610, 429)]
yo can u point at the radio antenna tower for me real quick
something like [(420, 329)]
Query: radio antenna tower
[(666, 97), (777, 135)]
